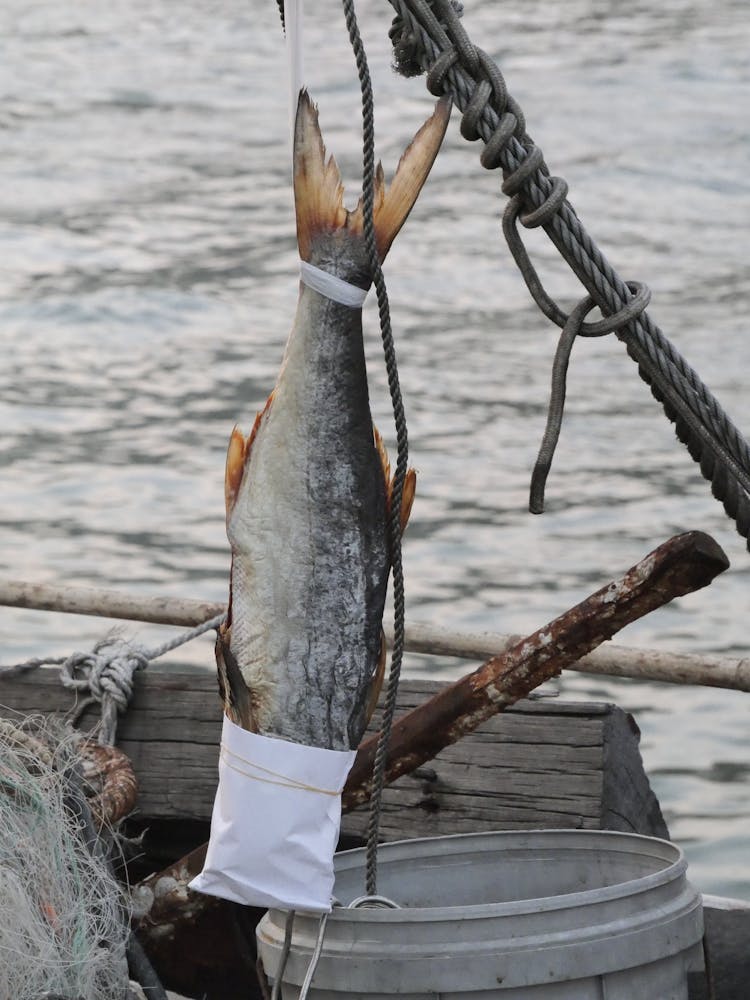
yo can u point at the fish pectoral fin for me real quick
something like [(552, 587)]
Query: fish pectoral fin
[(410, 482), (385, 462), (232, 688), (376, 683), (235, 468), (407, 497), (238, 454)]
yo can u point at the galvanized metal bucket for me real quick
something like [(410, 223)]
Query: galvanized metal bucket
[(542, 915)]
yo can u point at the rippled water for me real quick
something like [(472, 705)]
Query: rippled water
[(149, 280)]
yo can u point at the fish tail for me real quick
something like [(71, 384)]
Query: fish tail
[(319, 193)]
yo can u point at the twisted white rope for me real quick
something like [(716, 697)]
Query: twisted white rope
[(105, 674)]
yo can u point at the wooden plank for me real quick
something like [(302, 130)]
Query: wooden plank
[(535, 765), (628, 803), (541, 763)]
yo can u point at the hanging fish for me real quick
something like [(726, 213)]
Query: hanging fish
[(308, 490)]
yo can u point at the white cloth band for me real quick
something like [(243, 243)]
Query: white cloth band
[(332, 287), (275, 822)]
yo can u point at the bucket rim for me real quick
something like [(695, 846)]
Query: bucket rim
[(674, 868)]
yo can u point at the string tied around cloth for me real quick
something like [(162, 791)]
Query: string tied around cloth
[(256, 772)]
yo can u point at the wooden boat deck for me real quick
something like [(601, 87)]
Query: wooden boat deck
[(544, 763)]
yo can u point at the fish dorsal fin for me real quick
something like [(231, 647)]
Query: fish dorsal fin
[(318, 191)]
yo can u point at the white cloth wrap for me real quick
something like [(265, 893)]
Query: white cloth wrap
[(332, 287), (275, 822)]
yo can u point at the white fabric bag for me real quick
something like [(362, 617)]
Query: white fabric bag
[(275, 822)]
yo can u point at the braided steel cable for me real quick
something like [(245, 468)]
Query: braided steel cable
[(431, 35)]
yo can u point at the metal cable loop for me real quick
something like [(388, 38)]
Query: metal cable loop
[(373, 903), (700, 422), (439, 70), (467, 51), (549, 207), (631, 310), (491, 155), (528, 272), (516, 180), (697, 415), (428, 21), (573, 328), (496, 80), (686, 399), (474, 109), (458, 34), (512, 105), (619, 322)]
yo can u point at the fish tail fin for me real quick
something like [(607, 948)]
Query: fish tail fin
[(319, 193)]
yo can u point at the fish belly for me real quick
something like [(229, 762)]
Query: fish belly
[(308, 536)]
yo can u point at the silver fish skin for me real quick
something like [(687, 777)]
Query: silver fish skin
[(308, 489)]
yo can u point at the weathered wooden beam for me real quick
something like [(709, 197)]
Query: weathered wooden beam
[(610, 659), (104, 603), (540, 764), (421, 637), (172, 729)]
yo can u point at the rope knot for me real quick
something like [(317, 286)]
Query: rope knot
[(106, 675)]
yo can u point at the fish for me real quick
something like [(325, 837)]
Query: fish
[(308, 490)]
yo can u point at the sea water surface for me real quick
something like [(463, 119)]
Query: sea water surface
[(149, 278)]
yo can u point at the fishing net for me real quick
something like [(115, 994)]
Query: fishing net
[(63, 926)]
